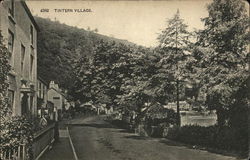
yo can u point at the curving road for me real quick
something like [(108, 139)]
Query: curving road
[(95, 139)]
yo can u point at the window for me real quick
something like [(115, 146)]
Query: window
[(22, 59), (11, 98), (31, 103), (44, 91), (11, 8), (39, 89), (31, 66), (10, 46), (31, 34), (10, 41)]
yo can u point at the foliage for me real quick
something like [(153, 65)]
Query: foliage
[(147, 83), (222, 55), (4, 70), (175, 48), (123, 77), (134, 79), (224, 138), (160, 116), (16, 131), (60, 45), (99, 76)]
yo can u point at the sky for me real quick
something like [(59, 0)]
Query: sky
[(139, 22)]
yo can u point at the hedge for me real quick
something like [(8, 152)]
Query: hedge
[(225, 138)]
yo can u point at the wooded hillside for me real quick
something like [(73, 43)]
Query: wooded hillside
[(59, 45)]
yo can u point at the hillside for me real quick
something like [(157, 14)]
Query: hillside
[(59, 45)]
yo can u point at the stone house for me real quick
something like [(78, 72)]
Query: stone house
[(56, 96), (19, 30)]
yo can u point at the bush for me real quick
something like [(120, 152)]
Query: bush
[(195, 135), (225, 138), (16, 131)]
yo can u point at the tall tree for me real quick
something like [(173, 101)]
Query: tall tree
[(224, 59), (99, 77), (174, 44)]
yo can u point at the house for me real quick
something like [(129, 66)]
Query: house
[(56, 96), (44, 106), (19, 31), (42, 95)]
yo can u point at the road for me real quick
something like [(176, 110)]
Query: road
[(95, 139)]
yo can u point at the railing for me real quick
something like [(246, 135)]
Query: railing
[(42, 140), (18, 153)]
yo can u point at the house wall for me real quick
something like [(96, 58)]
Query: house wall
[(42, 95), (19, 25), (42, 91), (56, 98)]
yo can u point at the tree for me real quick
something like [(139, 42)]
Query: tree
[(223, 51), (4, 70), (99, 77), (174, 44), (81, 87)]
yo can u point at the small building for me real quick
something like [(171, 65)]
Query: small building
[(56, 96), (19, 29)]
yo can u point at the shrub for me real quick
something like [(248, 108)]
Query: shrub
[(225, 138), (15, 131)]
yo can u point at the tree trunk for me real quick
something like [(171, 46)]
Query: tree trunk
[(178, 104)]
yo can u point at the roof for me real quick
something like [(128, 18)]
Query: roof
[(56, 90), (42, 80), (30, 15), (62, 94)]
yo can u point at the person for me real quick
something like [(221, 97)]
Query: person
[(43, 122), (56, 129), (72, 112)]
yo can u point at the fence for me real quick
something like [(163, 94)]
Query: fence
[(18, 153), (42, 140)]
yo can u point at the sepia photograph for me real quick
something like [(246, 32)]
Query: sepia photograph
[(124, 80)]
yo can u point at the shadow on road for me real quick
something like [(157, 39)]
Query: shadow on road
[(109, 145)]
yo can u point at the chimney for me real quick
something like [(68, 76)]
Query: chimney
[(51, 84)]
